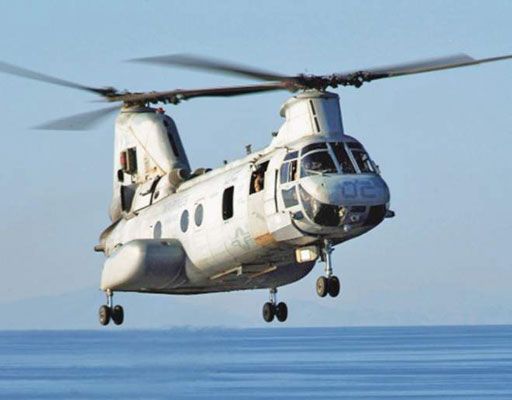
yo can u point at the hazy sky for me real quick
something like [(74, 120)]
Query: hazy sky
[(442, 141)]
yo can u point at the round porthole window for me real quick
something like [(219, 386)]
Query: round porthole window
[(184, 221), (198, 215)]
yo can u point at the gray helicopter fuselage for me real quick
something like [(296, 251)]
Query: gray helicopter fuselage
[(257, 222)]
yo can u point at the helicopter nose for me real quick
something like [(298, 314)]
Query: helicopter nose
[(359, 190), (351, 190)]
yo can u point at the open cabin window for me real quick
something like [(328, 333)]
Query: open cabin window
[(258, 178)]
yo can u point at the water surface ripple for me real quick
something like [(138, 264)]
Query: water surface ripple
[(470, 362)]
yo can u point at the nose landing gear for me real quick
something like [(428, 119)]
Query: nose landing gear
[(328, 284), (273, 309), (107, 312)]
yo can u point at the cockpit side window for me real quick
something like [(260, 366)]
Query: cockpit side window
[(284, 173), (319, 162), (342, 156), (288, 172)]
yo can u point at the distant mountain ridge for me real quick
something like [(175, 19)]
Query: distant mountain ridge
[(78, 310)]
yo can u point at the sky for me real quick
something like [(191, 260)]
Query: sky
[(442, 141)]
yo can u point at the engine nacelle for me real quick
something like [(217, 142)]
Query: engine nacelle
[(145, 264)]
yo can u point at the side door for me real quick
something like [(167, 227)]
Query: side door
[(256, 204), (281, 195)]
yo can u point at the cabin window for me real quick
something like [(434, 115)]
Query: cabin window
[(343, 158), (227, 203), (157, 230), (184, 221), (258, 178), (198, 215), (128, 160)]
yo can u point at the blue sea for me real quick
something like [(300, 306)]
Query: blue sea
[(466, 362)]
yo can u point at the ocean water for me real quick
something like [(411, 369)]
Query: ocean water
[(471, 362)]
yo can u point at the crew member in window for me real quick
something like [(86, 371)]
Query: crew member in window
[(258, 182)]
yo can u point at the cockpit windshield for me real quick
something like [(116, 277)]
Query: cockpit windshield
[(343, 158), (327, 158), (316, 163), (361, 157)]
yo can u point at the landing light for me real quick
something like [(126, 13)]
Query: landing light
[(305, 254)]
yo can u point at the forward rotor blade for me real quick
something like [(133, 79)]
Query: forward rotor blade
[(233, 91), (211, 65), (175, 96), (37, 76), (79, 122)]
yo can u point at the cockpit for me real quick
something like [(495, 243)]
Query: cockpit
[(332, 183), (326, 158)]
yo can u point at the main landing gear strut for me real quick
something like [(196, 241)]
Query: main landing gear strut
[(108, 312), (329, 283), (272, 309)]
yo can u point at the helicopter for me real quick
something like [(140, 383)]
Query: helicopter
[(259, 222)]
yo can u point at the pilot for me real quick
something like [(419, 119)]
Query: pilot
[(308, 165)]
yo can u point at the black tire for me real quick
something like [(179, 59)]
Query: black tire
[(282, 312), (322, 286), (104, 315), (117, 315), (333, 286), (268, 312)]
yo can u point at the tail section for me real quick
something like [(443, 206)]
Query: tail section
[(147, 153)]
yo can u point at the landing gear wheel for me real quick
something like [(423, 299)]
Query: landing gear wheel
[(282, 312), (322, 286), (104, 315), (268, 312), (117, 315), (333, 286)]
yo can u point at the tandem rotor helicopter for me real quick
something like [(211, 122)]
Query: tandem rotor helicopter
[(259, 222)]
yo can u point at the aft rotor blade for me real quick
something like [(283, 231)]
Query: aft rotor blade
[(79, 122), (416, 67), (29, 74), (211, 65)]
